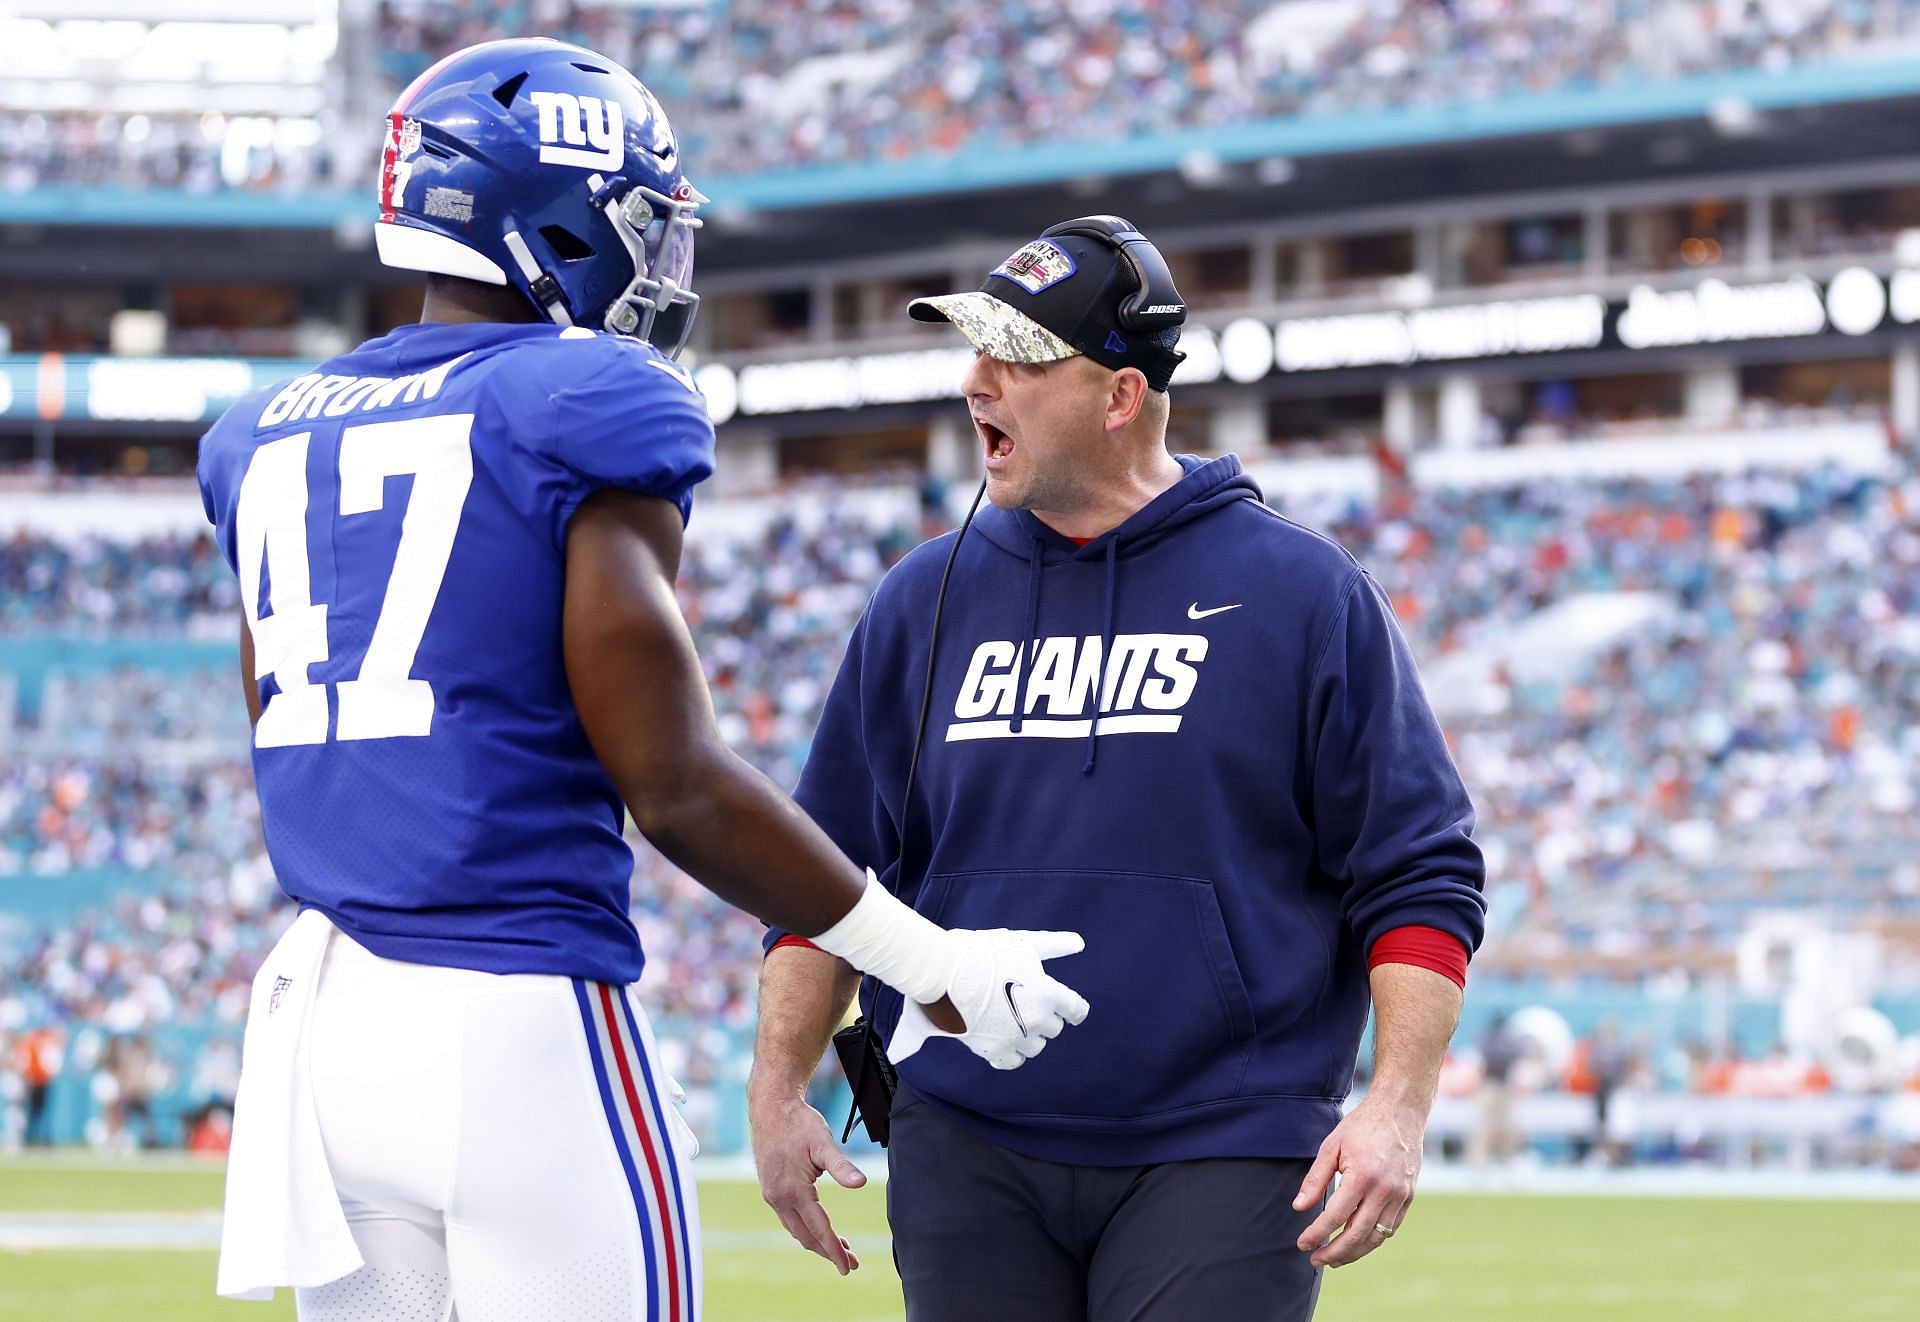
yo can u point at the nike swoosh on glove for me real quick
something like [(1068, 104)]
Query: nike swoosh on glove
[(1012, 1006)]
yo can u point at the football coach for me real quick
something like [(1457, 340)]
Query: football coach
[(1132, 701)]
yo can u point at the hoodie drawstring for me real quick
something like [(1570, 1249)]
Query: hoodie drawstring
[(1030, 647), (1106, 658)]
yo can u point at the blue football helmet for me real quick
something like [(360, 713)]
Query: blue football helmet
[(544, 166)]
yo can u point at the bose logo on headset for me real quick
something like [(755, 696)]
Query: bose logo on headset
[(580, 122), (1159, 308)]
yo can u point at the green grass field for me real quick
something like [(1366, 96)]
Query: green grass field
[(1512, 1258)]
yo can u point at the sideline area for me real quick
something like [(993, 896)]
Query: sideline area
[(133, 1238)]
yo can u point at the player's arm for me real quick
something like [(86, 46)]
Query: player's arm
[(643, 702), (249, 685), (804, 994)]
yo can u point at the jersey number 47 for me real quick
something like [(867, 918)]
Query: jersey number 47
[(270, 527)]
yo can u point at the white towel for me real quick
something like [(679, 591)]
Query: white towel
[(283, 1225)]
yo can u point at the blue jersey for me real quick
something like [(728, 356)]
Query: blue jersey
[(398, 521)]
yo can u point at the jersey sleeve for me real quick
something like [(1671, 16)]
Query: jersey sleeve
[(221, 466), (218, 491), (630, 419)]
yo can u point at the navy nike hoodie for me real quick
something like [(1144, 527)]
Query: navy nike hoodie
[(1266, 793)]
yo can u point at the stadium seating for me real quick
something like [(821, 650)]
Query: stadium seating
[(1747, 737), (764, 86)]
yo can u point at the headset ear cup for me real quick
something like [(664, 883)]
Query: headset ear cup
[(1153, 288), (1131, 305)]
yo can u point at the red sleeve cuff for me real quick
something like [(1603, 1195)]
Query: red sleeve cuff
[(1422, 947), (791, 940)]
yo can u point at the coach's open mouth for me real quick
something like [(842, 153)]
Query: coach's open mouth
[(999, 444)]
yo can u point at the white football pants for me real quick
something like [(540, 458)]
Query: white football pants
[(504, 1147)]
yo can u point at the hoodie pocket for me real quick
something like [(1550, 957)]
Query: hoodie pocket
[(1171, 1025)]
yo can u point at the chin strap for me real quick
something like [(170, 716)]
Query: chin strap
[(543, 288)]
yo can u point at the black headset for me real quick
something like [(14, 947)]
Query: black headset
[(1154, 304)]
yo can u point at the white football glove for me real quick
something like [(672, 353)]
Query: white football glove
[(1013, 1006)]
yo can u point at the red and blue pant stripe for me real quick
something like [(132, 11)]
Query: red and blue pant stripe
[(637, 1118)]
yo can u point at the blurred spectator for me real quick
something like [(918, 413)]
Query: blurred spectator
[(130, 1076), (1608, 1062), (1494, 1135), (39, 1054), (211, 1132)]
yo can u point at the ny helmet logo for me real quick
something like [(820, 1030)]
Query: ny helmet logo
[(580, 130)]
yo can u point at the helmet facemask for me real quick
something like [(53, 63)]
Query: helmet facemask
[(657, 232)]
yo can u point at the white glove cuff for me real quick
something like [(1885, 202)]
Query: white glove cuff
[(887, 939)]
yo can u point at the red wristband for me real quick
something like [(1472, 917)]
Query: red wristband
[(1422, 947)]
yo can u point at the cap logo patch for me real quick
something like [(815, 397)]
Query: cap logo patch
[(1037, 266)]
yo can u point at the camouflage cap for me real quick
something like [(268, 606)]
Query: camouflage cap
[(996, 329), (1067, 294)]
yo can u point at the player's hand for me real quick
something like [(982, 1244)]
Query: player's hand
[(1011, 1005), (793, 1148), (1376, 1151)]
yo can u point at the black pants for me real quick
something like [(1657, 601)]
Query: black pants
[(981, 1234), (39, 1119)]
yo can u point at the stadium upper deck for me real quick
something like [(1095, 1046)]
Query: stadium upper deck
[(787, 106), (1399, 222), (264, 97)]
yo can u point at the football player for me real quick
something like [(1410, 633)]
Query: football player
[(462, 655)]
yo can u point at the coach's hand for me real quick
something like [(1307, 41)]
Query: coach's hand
[(1012, 1007), (1376, 1152), (793, 1148)]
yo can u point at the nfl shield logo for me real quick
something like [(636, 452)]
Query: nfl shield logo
[(409, 137), (280, 985)]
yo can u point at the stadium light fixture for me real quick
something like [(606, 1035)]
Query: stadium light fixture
[(1734, 117), (1856, 301), (106, 41), (1246, 350), (1202, 363), (1275, 170), (1203, 169), (1408, 291), (721, 389)]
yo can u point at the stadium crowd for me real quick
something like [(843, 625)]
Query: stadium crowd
[(1761, 722), (101, 586), (1769, 718), (769, 84)]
